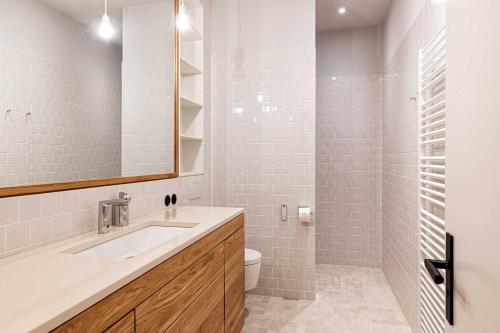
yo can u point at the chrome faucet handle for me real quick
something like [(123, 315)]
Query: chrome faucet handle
[(121, 210), (105, 217)]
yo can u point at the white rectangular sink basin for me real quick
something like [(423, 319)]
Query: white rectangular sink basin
[(134, 243)]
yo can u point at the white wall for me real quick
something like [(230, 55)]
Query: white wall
[(148, 89), (349, 52), (399, 20), (262, 25)]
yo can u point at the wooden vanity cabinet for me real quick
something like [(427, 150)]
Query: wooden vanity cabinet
[(200, 289), (124, 325)]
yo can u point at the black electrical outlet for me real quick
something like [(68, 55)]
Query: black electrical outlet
[(174, 199), (167, 200)]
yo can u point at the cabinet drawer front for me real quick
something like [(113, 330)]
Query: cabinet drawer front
[(207, 309), (161, 310), (124, 325)]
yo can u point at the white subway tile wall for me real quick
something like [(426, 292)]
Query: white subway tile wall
[(56, 124), (147, 119), (30, 221), (349, 170), (400, 226), (265, 155)]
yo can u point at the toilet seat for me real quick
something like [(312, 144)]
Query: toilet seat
[(252, 257)]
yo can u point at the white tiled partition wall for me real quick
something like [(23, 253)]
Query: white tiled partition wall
[(148, 89), (349, 147), (264, 102), (400, 227)]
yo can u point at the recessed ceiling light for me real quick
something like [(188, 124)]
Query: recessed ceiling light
[(342, 10)]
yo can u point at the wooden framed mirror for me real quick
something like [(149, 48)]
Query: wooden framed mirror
[(89, 93)]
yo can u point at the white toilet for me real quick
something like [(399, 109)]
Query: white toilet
[(252, 268)]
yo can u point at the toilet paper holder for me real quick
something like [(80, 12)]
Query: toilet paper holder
[(304, 213)]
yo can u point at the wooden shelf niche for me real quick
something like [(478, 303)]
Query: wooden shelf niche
[(192, 91)]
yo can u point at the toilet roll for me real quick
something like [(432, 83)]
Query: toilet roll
[(305, 214)]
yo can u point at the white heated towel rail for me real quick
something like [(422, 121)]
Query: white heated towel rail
[(432, 177)]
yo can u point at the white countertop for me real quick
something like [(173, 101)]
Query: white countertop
[(43, 288)]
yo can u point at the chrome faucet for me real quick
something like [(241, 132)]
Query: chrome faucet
[(113, 212), (105, 217)]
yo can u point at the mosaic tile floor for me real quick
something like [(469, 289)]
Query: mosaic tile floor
[(348, 300)]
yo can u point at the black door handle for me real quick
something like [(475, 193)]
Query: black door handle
[(433, 266)]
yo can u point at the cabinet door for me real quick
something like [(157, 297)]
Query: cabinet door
[(124, 325), (205, 314), (161, 310), (234, 266)]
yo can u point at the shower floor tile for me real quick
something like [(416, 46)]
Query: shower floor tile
[(348, 300)]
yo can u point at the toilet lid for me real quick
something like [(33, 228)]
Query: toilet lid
[(252, 257)]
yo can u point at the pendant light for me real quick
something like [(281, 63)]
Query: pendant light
[(106, 29)]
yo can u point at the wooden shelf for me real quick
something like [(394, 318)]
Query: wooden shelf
[(191, 34), (188, 103), (191, 137), (191, 173), (187, 68)]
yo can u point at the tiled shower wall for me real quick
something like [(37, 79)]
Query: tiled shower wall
[(348, 178), (349, 147), (400, 227)]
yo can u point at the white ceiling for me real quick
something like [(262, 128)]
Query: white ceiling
[(88, 12), (360, 13)]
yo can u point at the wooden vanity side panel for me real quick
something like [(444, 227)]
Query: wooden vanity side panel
[(234, 254), (159, 311), (208, 307), (111, 309), (124, 325), (220, 329)]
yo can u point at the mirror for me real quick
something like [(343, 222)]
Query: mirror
[(88, 93)]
